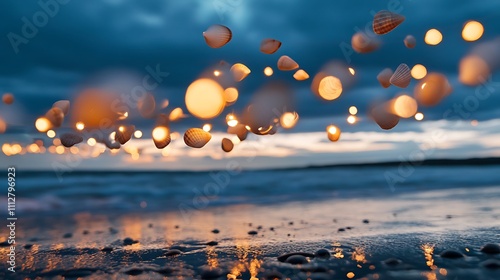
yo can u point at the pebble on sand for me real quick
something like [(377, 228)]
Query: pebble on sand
[(491, 264), (212, 243), (366, 221), (129, 241), (113, 230), (322, 253), (451, 254), (341, 229), (392, 262), (173, 252), (211, 273), (296, 259), (28, 246), (215, 231), (284, 257), (85, 232), (68, 235), (107, 249), (491, 249), (253, 232)]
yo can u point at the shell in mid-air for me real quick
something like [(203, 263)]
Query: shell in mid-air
[(270, 46), (227, 145), (285, 63), (217, 36), (384, 77), (196, 137), (385, 21), (402, 76), (70, 139)]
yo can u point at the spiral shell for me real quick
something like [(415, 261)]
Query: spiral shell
[(196, 137), (385, 21), (270, 46), (384, 77), (402, 76), (227, 145), (217, 36), (285, 63), (70, 139)]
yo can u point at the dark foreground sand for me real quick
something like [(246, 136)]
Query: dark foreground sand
[(423, 235)]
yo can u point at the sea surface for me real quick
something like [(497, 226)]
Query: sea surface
[(52, 193)]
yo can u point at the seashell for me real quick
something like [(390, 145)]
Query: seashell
[(227, 145), (161, 136), (383, 118), (240, 72), (285, 63), (362, 43), (112, 145), (63, 105), (124, 133), (56, 116), (432, 89), (240, 130), (410, 41), (333, 133), (70, 139), (176, 114), (384, 77), (385, 21), (217, 36), (147, 106), (231, 95), (301, 75), (8, 98), (402, 76), (269, 46), (196, 137)]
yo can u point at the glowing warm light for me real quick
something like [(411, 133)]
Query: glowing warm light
[(443, 271), (474, 122), (236, 140), (205, 99), (112, 136), (351, 119), (43, 124), (3, 126), (333, 133), (123, 115), (91, 142), (60, 150), (165, 152), (231, 120), (289, 120), (473, 70), (268, 71), (74, 150), (56, 142), (33, 148), (207, 127), (51, 134), (419, 116), (160, 133), (216, 73), (80, 126), (433, 37), (404, 106), (138, 134), (350, 275), (352, 71), (353, 110), (418, 71), (135, 156), (176, 114), (330, 88), (472, 31), (231, 95), (428, 254)]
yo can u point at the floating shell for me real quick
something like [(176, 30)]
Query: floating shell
[(217, 36), (227, 145), (385, 21), (240, 72), (147, 106), (63, 105), (56, 116), (176, 114), (269, 46), (383, 118), (285, 63), (124, 133), (402, 76), (240, 131), (432, 89), (8, 98), (196, 137), (70, 139), (301, 75), (384, 77), (362, 43), (161, 136), (410, 41)]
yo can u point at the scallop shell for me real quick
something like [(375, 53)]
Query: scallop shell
[(217, 36), (227, 145), (8, 98), (124, 133), (196, 137), (402, 76), (410, 41), (70, 139), (63, 105), (285, 63), (385, 21), (240, 72), (269, 46), (384, 77), (56, 116), (240, 131), (301, 75), (362, 43), (147, 106)]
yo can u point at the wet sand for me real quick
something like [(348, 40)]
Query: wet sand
[(435, 234)]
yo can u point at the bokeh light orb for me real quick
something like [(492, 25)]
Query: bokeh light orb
[(205, 99), (418, 71), (404, 106), (433, 37), (43, 124), (472, 31), (330, 88)]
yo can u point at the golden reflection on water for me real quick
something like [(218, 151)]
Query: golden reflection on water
[(29, 262), (428, 254), (359, 255), (212, 260)]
